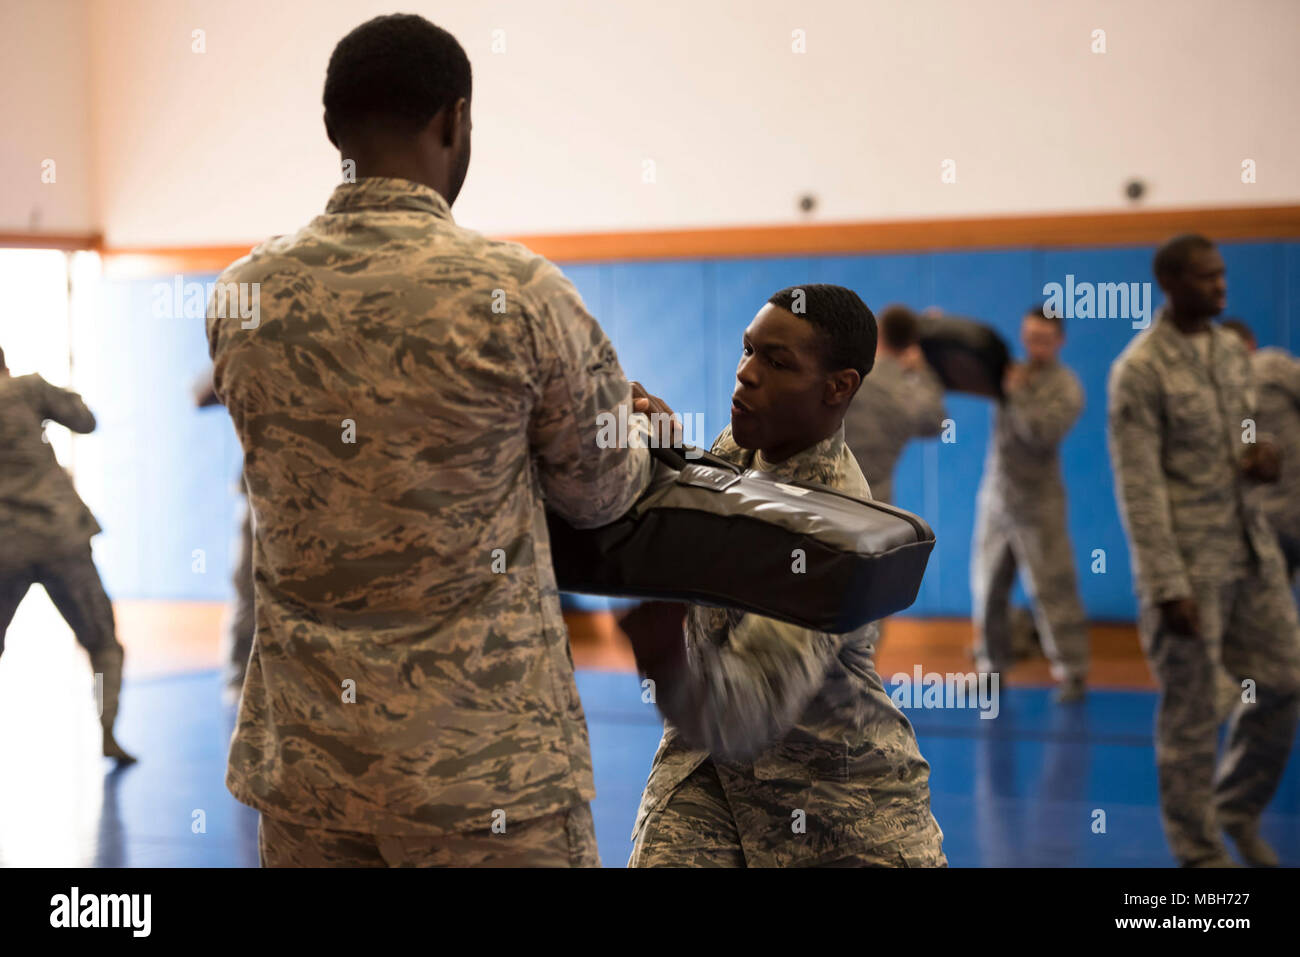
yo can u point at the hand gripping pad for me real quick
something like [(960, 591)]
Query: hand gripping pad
[(705, 531)]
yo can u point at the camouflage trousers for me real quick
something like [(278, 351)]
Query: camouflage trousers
[(564, 839), (237, 640), (1038, 545), (1290, 545), (74, 586), (1248, 627), (696, 828)]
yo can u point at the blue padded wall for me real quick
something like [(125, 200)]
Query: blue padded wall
[(164, 471), (168, 468)]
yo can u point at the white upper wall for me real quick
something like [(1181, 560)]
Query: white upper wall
[(227, 145), (45, 115)]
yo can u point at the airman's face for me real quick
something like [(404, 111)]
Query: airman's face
[(1042, 340), (1201, 292), (780, 383)]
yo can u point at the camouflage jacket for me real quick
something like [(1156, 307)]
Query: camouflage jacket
[(1277, 414), (41, 515), (893, 406), (794, 720), (1176, 442), (1023, 463), (409, 394)]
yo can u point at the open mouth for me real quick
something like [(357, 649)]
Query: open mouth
[(738, 406)]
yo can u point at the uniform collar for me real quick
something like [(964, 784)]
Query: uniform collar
[(1173, 341), (821, 463), (813, 464), (377, 192)]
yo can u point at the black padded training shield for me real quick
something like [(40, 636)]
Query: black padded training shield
[(967, 355), (706, 531)]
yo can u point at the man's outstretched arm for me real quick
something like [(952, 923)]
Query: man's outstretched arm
[(66, 408)]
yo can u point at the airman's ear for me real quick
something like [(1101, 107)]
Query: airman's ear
[(841, 386), (451, 124)]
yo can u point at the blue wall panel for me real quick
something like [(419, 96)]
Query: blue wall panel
[(1289, 335), (165, 470), (1257, 288), (658, 320), (995, 287), (590, 282), (1091, 345)]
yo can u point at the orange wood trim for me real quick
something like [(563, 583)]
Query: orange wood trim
[(1117, 228), (68, 241), (151, 263), (1066, 229)]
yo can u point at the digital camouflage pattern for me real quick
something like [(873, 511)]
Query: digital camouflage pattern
[(1176, 442), (45, 528), (892, 406), (75, 589), (41, 514), (1277, 414), (1020, 524), (1248, 628), (796, 725), (564, 839), (409, 394)]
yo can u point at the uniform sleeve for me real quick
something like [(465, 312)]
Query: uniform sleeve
[(65, 407), (1044, 423), (1135, 440), (736, 696), (1282, 373), (581, 389), (927, 403)]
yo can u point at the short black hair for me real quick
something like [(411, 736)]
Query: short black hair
[(847, 326), (897, 327), (2, 361), (394, 73), (1171, 258), (1039, 311), (1236, 325)]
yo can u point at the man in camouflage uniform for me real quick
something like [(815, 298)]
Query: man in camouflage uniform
[(901, 400), (1277, 416), (1210, 579), (1020, 514), (781, 746), (407, 396), (46, 529)]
